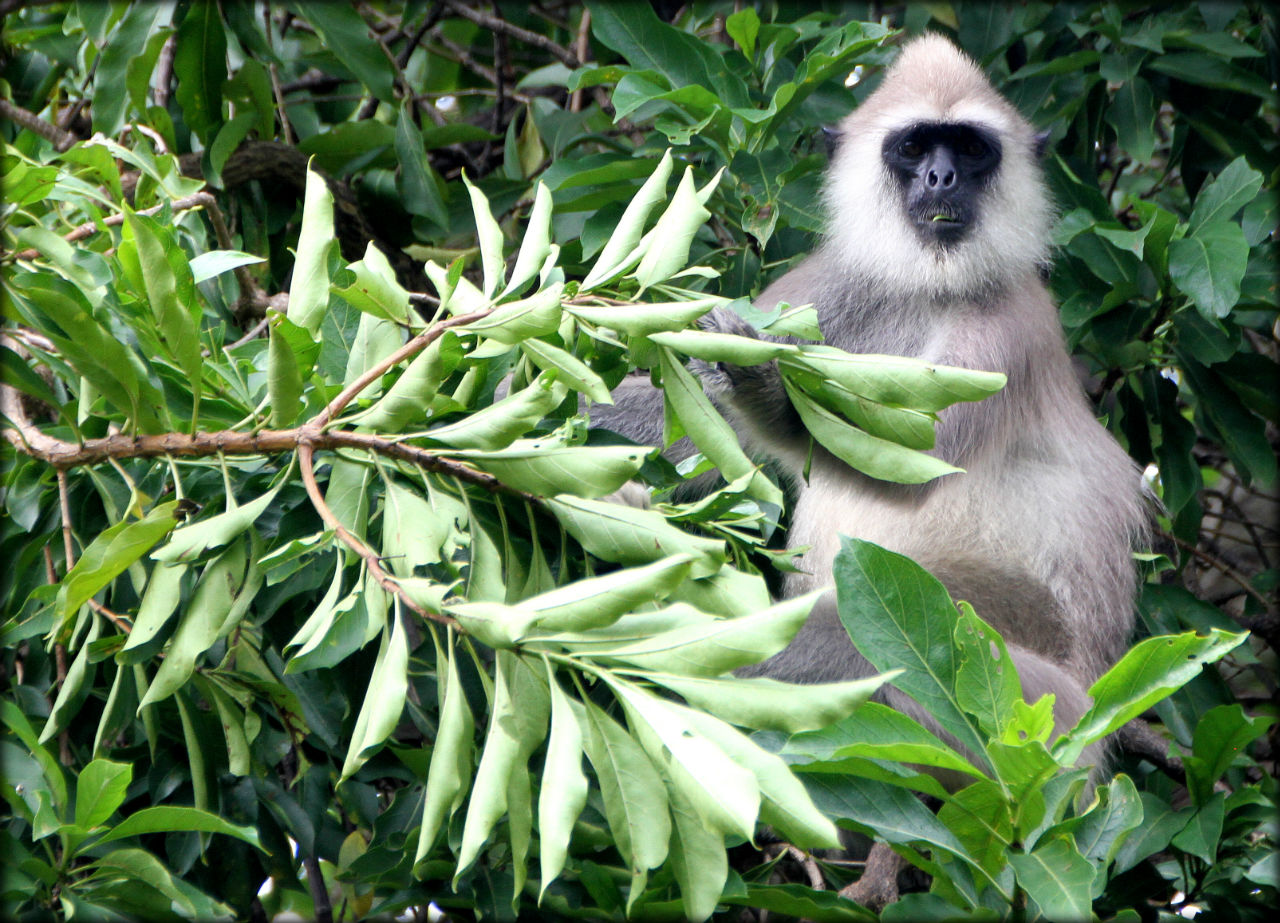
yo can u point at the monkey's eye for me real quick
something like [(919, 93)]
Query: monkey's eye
[(974, 148), (911, 149)]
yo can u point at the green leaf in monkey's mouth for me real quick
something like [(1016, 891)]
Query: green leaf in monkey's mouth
[(946, 218)]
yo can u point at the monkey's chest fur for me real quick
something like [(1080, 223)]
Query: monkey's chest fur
[(1036, 532)]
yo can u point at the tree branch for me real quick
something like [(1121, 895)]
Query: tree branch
[(61, 138), (498, 24), (200, 199)]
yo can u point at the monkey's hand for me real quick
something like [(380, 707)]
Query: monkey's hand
[(752, 394)]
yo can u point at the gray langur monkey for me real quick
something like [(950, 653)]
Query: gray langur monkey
[(936, 245)]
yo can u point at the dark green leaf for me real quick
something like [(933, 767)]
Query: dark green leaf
[(349, 38), (200, 66)]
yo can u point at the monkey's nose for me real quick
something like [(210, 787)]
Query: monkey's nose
[(945, 178)]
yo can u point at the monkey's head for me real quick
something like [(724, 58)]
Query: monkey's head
[(935, 187)]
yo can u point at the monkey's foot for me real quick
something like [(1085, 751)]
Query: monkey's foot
[(878, 886)]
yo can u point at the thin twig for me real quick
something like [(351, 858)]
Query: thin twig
[(286, 129), (1263, 626), (306, 460), (64, 505), (200, 199), (411, 348), (59, 663), (581, 48), (497, 24)]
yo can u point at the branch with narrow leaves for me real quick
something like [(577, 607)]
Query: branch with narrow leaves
[(61, 454), (306, 459)]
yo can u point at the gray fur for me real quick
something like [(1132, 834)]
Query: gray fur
[(1038, 531)]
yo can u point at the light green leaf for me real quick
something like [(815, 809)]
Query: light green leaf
[(516, 321), (284, 377), (721, 347), (899, 381), (376, 290), (1147, 673), (159, 601), (725, 794), (409, 399), (450, 770), (624, 535), (644, 319), (100, 790), (584, 471), (722, 645), (535, 247), (489, 237), (215, 262), (877, 732), (785, 805), (696, 857), (569, 367), (673, 234), (987, 683), (384, 700), (173, 819), (166, 293), (1058, 879), (635, 800), (517, 727), (767, 704), (710, 432), (595, 602), (222, 596), (564, 786), (871, 455), (189, 542), (497, 425), (110, 554), (618, 254), (309, 290)]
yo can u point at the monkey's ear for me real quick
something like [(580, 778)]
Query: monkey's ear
[(1041, 143), (831, 137)]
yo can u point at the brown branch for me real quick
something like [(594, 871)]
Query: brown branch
[(286, 129), (200, 199), (412, 347), (63, 455), (498, 24), (306, 459), (64, 506), (583, 45), (164, 71), (61, 138), (1224, 568)]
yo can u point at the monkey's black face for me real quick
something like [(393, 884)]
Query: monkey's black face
[(943, 169)]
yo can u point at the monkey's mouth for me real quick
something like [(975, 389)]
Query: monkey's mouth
[(939, 223)]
